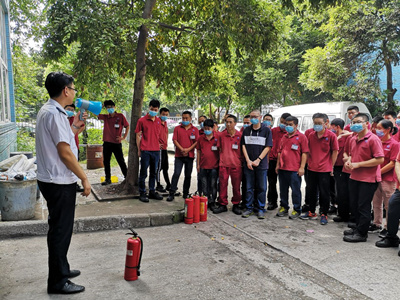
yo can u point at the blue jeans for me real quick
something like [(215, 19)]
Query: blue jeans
[(256, 187), (208, 178), (293, 180), (148, 158)]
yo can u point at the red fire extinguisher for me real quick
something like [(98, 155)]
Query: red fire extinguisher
[(189, 211), (133, 256), (203, 208), (196, 209)]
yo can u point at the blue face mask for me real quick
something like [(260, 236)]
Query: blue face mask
[(164, 118), (110, 110), (246, 125), (318, 128), (398, 122), (267, 123), (69, 113), (202, 125), (254, 121), (208, 132), (282, 126), (289, 129), (152, 113), (356, 127), (380, 133), (185, 123)]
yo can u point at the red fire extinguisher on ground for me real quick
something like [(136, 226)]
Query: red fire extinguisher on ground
[(133, 256), (203, 208), (189, 211)]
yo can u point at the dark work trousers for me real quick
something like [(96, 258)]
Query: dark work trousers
[(361, 194), (208, 179), (148, 159), (272, 194), (163, 165), (332, 190), (393, 215), (243, 188), (178, 165), (342, 192), (60, 200), (319, 181), (108, 150), (307, 190)]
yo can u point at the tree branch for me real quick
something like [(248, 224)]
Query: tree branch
[(182, 28)]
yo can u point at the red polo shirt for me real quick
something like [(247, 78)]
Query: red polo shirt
[(277, 134), (113, 126), (164, 135), (390, 150), (151, 130), (230, 155), (209, 153), (201, 131), (365, 149), (308, 131), (291, 148), (186, 138), (319, 159), (342, 142)]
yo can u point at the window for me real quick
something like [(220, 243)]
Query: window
[(5, 113)]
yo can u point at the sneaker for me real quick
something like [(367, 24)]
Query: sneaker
[(106, 182), (294, 215), (374, 228), (383, 233), (261, 215), (161, 189), (154, 195), (236, 209), (309, 216), (272, 206), (247, 213), (220, 209), (282, 212), (324, 220), (143, 197), (332, 210)]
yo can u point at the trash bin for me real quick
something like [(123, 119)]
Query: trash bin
[(94, 155), (27, 154), (17, 199)]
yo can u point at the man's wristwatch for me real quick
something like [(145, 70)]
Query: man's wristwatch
[(76, 127), (260, 158)]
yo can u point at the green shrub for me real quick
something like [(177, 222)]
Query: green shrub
[(25, 141)]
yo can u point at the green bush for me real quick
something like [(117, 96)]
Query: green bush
[(25, 141), (94, 137)]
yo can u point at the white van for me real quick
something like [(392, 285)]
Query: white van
[(304, 112)]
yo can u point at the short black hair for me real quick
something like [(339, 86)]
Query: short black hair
[(292, 118), (268, 115), (109, 102), (377, 119), (390, 113), (72, 105), (353, 107), (231, 116), (203, 116), (338, 122), (164, 109), (362, 115), (246, 117), (186, 112), (285, 115), (56, 82), (208, 123), (327, 118), (215, 122), (320, 116), (154, 103)]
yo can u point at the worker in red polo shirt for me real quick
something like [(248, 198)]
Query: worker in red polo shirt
[(163, 163), (323, 146), (114, 123), (185, 140), (365, 157), (207, 162), (147, 131), (230, 165)]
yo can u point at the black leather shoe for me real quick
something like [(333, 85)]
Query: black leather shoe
[(171, 197), (161, 189), (351, 225), (68, 288), (339, 219), (387, 242), (236, 209), (355, 238), (155, 196), (272, 206), (185, 196), (349, 231), (220, 209), (74, 273), (143, 197), (106, 182)]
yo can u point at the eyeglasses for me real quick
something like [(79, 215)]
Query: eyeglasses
[(357, 122), (71, 88)]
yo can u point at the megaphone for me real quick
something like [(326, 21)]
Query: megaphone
[(84, 105)]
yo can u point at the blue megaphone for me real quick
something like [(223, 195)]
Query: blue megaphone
[(84, 105)]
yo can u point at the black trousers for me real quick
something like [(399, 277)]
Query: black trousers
[(307, 190), (272, 177), (108, 150), (342, 192), (361, 194), (163, 165), (60, 200), (332, 190), (178, 166), (393, 215), (319, 181)]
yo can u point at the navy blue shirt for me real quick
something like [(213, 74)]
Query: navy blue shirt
[(255, 142)]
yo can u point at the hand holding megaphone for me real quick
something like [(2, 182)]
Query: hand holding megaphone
[(84, 105)]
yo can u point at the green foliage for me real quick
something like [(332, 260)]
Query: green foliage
[(94, 137), (25, 141)]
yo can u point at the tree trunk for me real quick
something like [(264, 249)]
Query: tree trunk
[(391, 105), (131, 180)]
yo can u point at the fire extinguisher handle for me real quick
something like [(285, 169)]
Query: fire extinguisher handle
[(133, 232)]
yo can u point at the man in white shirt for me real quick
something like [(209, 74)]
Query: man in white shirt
[(58, 171)]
